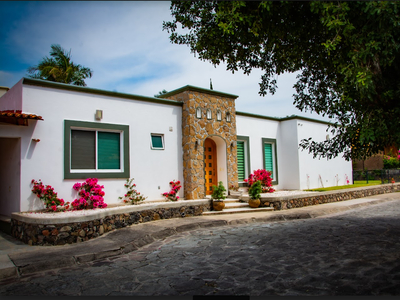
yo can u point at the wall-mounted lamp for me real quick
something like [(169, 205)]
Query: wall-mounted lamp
[(99, 114)]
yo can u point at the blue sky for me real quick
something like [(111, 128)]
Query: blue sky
[(125, 46)]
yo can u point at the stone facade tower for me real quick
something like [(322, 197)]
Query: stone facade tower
[(208, 139)]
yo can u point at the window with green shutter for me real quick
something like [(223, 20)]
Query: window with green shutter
[(95, 150), (268, 164), (240, 161), (270, 158), (109, 150), (157, 141), (243, 158)]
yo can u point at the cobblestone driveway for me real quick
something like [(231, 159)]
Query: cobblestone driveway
[(352, 253)]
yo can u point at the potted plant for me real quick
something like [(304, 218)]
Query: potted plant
[(255, 194), (218, 196)]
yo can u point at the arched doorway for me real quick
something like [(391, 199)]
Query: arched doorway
[(210, 164), (215, 162)]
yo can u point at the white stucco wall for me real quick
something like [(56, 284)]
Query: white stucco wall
[(152, 169), (297, 169), (288, 155), (318, 172), (256, 129)]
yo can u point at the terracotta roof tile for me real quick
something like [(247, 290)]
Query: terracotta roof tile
[(19, 115)]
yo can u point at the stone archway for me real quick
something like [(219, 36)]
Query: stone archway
[(206, 114)]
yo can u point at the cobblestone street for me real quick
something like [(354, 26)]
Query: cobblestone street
[(352, 253)]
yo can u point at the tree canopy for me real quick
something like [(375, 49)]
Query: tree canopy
[(347, 55), (60, 68)]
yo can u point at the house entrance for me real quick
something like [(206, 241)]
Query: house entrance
[(210, 162)]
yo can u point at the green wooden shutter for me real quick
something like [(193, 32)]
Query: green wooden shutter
[(108, 149), (268, 164), (156, 141), (83, 151), (240, 161)]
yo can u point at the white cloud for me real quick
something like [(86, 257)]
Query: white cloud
[(123, 43)]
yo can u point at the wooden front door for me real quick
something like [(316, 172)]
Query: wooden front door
[(210, 161)]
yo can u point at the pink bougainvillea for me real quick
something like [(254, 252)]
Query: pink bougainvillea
[(264, 177), (172, 194), (91, 195), (48, 196)]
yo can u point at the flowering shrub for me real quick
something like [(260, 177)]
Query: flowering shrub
[(172, 194), (132, 195), (264, 177), (48, 196), (390, 162), (91, 195)]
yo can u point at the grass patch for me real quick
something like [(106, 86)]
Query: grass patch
[(360, 183)]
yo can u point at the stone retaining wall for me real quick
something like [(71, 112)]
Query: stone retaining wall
[(327, 197), (34, 233)]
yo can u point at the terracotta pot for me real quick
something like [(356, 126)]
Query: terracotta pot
[(218, 205), (254, 203)]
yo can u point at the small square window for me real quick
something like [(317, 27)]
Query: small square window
[(157, 141)]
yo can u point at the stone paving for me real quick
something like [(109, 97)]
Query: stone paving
[(356, 252)]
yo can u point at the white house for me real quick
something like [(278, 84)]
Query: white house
[(63, 134)]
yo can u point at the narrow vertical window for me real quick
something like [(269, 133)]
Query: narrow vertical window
[(240, 161), (228, 117), (243, 157), (219, 115), (209, 114), (198, 113), (270, 158)]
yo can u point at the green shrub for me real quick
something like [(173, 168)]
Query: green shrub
[(218, 192), (255, 190), (390, 162)]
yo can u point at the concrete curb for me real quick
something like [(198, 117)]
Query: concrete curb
[(132, 238)]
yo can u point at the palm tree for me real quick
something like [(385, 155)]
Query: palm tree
[(60, 68)]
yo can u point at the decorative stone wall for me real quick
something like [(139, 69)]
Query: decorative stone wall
[(69, 233), (196, 130), (327, 197)]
